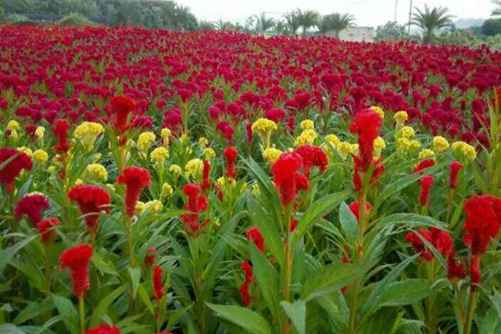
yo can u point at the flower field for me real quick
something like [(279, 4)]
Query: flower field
[(215, 182)]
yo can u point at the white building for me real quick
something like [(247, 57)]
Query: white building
[(358, 34)]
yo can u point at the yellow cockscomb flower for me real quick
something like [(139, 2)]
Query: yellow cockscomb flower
[(40, 156), (307, 124), (209, 153), (440, 144), (140, 206), (154, 206), (333, 140), (345, 148), (378, 110), (40, 132), (145, 140), (159, 155), (87, 133), (226, 181), (426, 154), (463, 149), (203, 142), (379, 146), (264, 128), (306, 137), (167, 191), (271, 154), (96, 172), (175, 169), (415, 144), (165, 133), (194, 168), (13, 125), (400, 118), (406, 132)]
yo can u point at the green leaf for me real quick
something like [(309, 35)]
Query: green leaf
[(146, 299), (318, 209), (330, 279), (267, 279), (405, 292), (103, 305), (348, 223), (135, 278), (297, 314), (174, 316), (242, 317), (10, 329), (68, 312), (410, 219), (7, 254)]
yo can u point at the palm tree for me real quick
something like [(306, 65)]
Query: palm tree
[(497, 11), (308, 19), (430, 20), (263, 23), (293, 20), (336, 22)]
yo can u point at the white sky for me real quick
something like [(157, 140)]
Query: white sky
[(366, 12)]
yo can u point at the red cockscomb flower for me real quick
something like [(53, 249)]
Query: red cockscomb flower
[(77, 259), (158, 284), (483, 221), (424, 164), (230, 155), (254, 234), (12, 162), (455, 269), (46, 228), (455, 167), (32, 206), (424, 195), (91, 200), (60, 128), (121, 107), (441, 240), (313, 156), (357, 172), (197, 202), (245, 287), (135, 180), (103, 329), (366, 124), (288, 177), (355, 209), (206, 175), (150, 258)]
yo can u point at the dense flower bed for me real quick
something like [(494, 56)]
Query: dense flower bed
[(209, 182)]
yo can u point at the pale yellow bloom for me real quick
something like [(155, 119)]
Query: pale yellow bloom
[(403, 144), (145, 140), (13, 125), (26, 150), (78, 182), (406, 132), (379, 146), (87, 133), (140, 206), (255, 189), (271, 154), (13, 134), (345, 148), (440, 144), (264, 128), (400, 117), (378, 110), (333, 140), (40, 132), (415, 144), (154, 206), (225, 181), (464, 149), (426, 154), (175, 169), (307, 124), (159, 155), (167, 191), (165, 133), (194, 168), (96, 172), (203, 142), (40, 156), (306, 137), (209, 153)]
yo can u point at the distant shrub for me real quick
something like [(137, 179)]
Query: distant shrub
[(17, 19), (75, 19)]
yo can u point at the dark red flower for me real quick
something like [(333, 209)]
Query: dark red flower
[(12, 162), (60, 129), (455, 167), (294, 223), (121, 107), (196, 203), (245, 287), (150, 257), (206, 175), (135, 180), (46, 228), (91, 200), (254, 234), (32, 206), (77, 259), (439, 239), (455, 269), (475, 274), (424, 164), (483, 221), (288, 177), (103, 329), (313, 156), (426, 182), (418, 244), (366, 125), (358, 172), (230, 155), (158, 284), (355, 209)]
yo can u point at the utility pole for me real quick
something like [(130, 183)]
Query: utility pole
[(396, 11), (410, 16)]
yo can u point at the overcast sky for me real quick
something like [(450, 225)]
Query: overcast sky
[(366, 12)]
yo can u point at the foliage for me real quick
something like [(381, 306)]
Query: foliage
[(75, 19), (391, 31), (491, 27), (430, 20), (335, 22)]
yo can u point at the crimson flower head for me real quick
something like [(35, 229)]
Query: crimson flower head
[(455, 269), (158, 284), (288, 177), (230, 154), (103, 329), (424, 195), (135, 180), (46, 228), (366, 125), (441, 240), (150, 257), (60, 128), (12, 162), (357, 177), (254, 234), (313, 156), (483, 221), (196, 203), (455, 167), (121, 107), (245, 287), (77, 259), (355, 209), (424, 164), (91, 200), (206, 175), (32, 205)]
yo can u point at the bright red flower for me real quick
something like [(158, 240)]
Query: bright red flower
[(366, 124), (245, 287), (32, 206), (135, 180), (424, 164), (441, 241), (150, 257), (313, 156), (206, 175), (91, 200), (77, 259), (455, 269), (426, 182), (475, 274), (483, 221), (197, 203), (288, 177), (357, 172), (418, 244), (230, 154), (158, 284), (103, 329), (254, 234), (455, 167), (246, 267), (60, 128), (355, 209), (12, 162), (46, 228), (294, 223), (121, 107)]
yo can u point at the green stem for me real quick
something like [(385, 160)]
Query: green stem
[(470, 311), (128, 228), (81, 308), (287, 270)]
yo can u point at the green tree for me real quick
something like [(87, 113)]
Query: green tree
[(335, 22), (391, 31), (308, 19), (430, 20), (491, 27), (497, 11), (263, 23), (293, 21)]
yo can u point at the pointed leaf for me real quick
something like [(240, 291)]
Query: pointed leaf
[(249, 320)]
